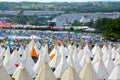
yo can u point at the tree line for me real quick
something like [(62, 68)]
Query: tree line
[(76, 7)]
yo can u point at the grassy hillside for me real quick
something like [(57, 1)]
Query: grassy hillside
[(67, 7)]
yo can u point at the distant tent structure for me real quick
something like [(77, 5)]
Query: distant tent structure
[(45, 73), (4, 24), (34, 37)]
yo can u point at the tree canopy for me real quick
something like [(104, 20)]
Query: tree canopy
[(112, 30), (99, 24), (77, 23)]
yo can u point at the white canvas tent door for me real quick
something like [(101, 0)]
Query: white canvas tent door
[(34, 37)]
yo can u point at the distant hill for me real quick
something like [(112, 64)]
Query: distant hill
[(79, 7)]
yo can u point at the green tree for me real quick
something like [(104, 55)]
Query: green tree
[(112, 30), (77, 23), (99, 24), (71, 29), (21, 18)]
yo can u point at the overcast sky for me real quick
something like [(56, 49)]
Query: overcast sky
[(54, 0)]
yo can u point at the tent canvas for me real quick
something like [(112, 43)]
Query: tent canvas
[(45, 73), (21, 72), (70, 74)]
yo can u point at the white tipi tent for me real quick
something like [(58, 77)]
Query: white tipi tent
[(109, 64), (87, 72), (29, 62), (100, 67), (53, 52), (87, 51), (94, 49), (80, 54), (70, 60), (22, 73), (8, 63), (29, 59), (82, 62), (0, 48), (45, 73), (38, 64), (44, 57), (115, 74), (2, 54), (76, 60), (15, 57), (37, 50), (113, 53), (21, 51), (3, 73), (31, 44), (55, 61), (70, 74), (105, 54), (62, 66)]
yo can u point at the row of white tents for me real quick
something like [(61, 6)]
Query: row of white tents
[(77, 66)]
